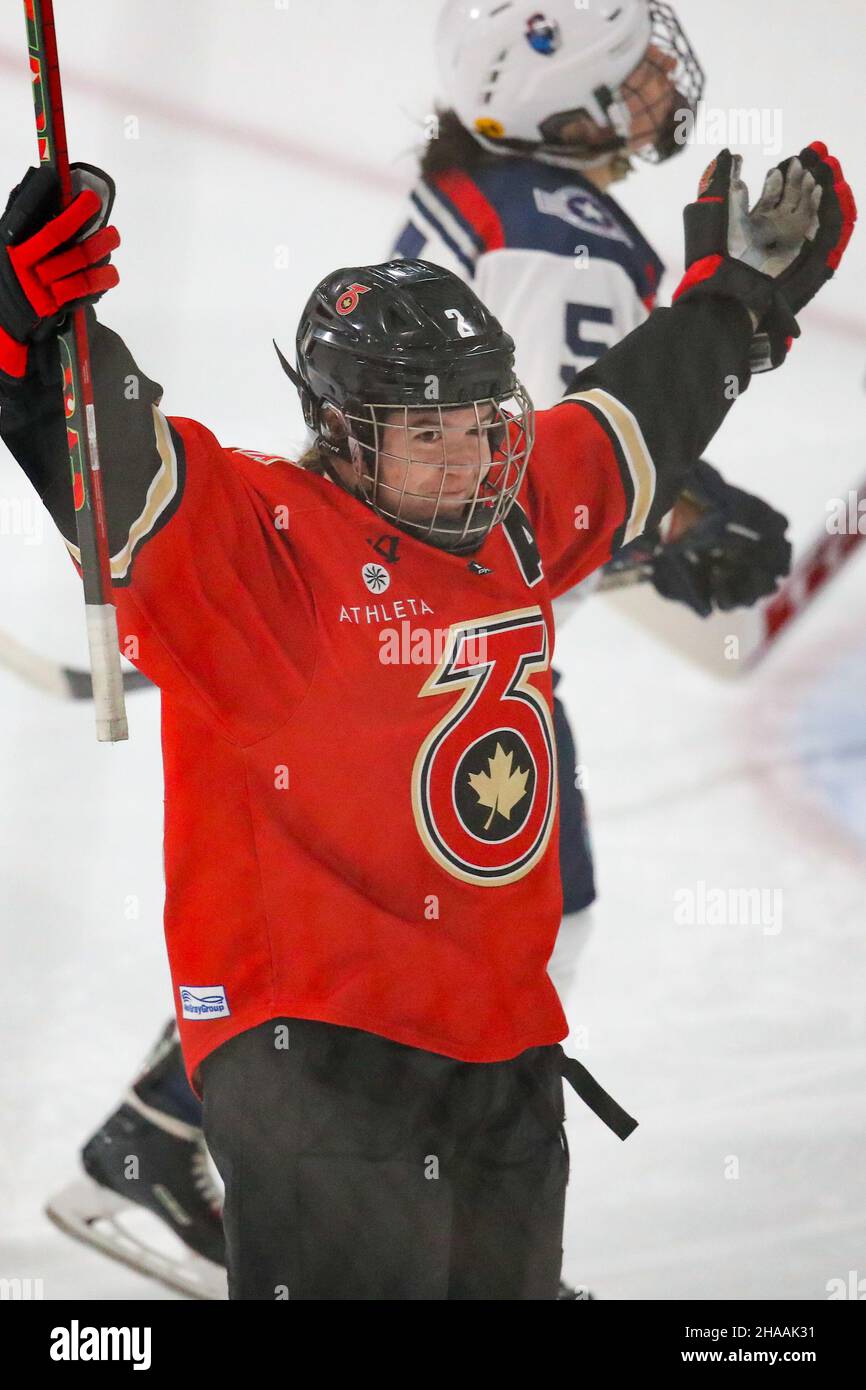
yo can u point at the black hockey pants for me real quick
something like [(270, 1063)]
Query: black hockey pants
[(357, 1168)]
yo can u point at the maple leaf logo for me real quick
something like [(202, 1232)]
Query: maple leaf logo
[(500, 788)]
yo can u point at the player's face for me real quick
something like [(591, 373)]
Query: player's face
[(650, 95), (432, 463)]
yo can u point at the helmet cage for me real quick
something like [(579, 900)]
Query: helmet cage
[(687, 80), (505, 434)]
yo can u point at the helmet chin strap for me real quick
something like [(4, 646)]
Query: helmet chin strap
[(619, 117), (545, 154), (619, 160)]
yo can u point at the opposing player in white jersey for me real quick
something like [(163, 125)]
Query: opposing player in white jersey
[(539, 115)]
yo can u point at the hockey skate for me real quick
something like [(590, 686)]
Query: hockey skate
[(149, 1194)]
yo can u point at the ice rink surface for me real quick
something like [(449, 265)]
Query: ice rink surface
[(257, 146)]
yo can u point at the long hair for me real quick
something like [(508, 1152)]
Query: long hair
[(456, 148), (453, 148), (314, 460)]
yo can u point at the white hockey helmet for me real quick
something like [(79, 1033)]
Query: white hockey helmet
[(516, 80)]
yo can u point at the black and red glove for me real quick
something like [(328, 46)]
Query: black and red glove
[(776, 257), (734, 552), (50, 261), (818, 259)]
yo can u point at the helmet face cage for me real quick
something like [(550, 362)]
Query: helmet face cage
[(687, 79), (504, 433)]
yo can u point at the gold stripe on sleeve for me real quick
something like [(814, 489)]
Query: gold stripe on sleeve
[(637, 456), (162, 490)]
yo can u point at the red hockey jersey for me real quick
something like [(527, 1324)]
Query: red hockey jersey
[(359, 762), (360, 790)]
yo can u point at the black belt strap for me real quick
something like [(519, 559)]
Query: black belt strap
[(597, 1098)]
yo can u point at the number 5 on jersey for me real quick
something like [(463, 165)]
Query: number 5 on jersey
[(484, 783)]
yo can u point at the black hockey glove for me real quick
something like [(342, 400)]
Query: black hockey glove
[(51, 261), (775, 258), (734, 554)]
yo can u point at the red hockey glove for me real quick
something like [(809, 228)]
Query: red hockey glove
[(775, 258), (51, 263)]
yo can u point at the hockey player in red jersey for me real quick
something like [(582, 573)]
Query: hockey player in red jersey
[(362, 887), (585, 90)]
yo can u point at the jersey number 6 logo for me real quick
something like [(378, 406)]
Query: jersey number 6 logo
[(484, 784)]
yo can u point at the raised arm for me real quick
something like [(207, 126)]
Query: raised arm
[(658, 397), (33, 428), (50, 263), (192, 536)]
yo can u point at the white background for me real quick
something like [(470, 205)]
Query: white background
[(262, 127)]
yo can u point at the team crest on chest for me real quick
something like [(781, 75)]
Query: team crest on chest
[(582, 210), (484, 783)]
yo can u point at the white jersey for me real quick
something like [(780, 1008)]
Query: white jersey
[(559, 263)]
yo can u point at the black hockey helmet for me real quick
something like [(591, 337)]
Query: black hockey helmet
[(375, 343)]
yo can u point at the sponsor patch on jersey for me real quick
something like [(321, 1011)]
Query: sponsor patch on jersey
[(376, 578), (543, 35), (398, 610), (388, 546), (580, 209), (204, 1001)]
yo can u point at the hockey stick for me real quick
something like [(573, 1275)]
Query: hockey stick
[(66, 682), (624, 577), (731, 643), (813, 571), (90, 520)]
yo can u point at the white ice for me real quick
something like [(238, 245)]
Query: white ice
[(246, 136)]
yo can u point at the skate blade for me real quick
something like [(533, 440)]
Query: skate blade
[(103, 1219)]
